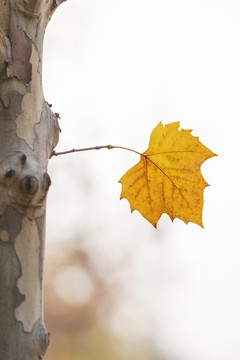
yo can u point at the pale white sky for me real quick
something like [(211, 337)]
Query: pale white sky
[(113, 69)]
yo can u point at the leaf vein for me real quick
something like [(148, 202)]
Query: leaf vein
[(164, 173)]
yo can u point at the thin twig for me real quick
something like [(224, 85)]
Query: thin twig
[(109, 147), (82, 149)]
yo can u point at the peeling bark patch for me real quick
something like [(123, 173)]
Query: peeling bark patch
[(6, 222), (12, 102), (5, 100), (19, 65), (48, 128), (32, 104), (4, 47), (29, 311), (4, 235)]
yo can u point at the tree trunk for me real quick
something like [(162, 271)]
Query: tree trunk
[(28, 133)]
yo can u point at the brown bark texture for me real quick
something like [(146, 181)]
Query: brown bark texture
[(28, 134)]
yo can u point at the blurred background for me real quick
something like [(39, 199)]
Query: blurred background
[(115, 287)]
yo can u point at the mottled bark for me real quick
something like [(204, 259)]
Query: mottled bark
[(28, 134)]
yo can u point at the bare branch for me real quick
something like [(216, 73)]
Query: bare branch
[(82, 149), (109, 147)]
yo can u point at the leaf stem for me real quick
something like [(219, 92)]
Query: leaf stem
[(125, 148), (109, 147)]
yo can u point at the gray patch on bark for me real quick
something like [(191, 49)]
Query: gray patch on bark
[(9, 273), (19, 66), (41, 232), (15, 343), (5, 100), (11, 111), (6, 221)]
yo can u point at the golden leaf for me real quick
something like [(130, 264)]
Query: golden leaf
[(167, 178)]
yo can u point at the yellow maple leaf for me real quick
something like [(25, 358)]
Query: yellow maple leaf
[(167, 178)]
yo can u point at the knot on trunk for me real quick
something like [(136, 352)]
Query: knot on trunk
[(25, 183), (29, 185)]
